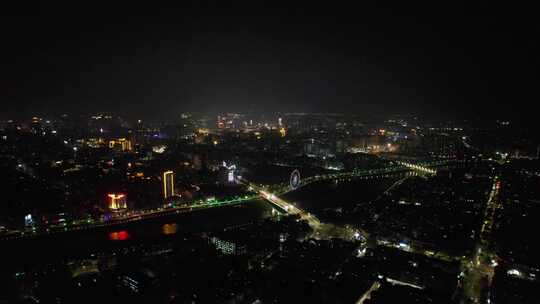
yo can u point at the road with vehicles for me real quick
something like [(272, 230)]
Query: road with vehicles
[(320, 230), (480, 268)]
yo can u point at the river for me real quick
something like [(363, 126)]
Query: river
[(319, 198), (51, 248)]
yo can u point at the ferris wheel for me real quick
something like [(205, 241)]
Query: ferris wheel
[(294, 180)]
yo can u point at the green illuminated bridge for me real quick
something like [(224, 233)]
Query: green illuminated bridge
[(327, 230), (394, 169), (269, 192)]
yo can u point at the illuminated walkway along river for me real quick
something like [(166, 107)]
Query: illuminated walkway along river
[(47, 248)]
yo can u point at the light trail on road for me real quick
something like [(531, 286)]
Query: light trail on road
[(480, 265)]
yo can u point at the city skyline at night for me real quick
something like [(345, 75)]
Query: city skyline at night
[(266, 152)]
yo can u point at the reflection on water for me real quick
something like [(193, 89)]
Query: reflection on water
[(59, 246), (192, 222), (119, 235), (170, 228)]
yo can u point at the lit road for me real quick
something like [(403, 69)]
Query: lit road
[(292, 209), (419, 168), (367, 295), (479, 269), (320, 230), (394, 185)]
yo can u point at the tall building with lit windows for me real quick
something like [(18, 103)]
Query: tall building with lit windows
[(228, 247), (168, 184), (121, 144), (227, 174), (117, 202)]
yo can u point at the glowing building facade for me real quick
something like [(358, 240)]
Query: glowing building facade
[(168, 184), (121, 143), (117, 202), (227, 173), (228, 247)]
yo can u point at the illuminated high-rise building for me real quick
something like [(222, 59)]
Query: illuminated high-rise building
[(228, 247), (117, 202), (168, 184), (126, 145), (227, 174), (121, 144), (282, 132)]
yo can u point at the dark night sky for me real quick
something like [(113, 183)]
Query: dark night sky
[(479, 60)]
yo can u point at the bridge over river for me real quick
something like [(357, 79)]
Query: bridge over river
[(271, 193)]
